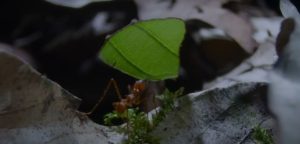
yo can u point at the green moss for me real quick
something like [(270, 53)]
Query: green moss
[(261, 136), (167, 104), (138, 126)]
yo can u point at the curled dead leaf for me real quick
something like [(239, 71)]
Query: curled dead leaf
[(35, 110)]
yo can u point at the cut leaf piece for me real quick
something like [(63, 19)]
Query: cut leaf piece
[(147, 49)]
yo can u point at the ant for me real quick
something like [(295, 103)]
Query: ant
[(133, 99)]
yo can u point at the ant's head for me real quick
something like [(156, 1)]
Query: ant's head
[(139, 86)]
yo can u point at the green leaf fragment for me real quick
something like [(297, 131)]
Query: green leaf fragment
[(147, 49)]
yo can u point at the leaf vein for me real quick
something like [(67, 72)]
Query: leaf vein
[(155, 37), (110, 42)]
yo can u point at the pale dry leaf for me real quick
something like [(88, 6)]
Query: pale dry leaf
[(224, 115), (208, 11), (35, 110), (288, 9), (266, 28), (74, 3), (22, 55), (284, 100)]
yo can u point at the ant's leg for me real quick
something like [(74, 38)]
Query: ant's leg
[(114, 84), (117, 89)]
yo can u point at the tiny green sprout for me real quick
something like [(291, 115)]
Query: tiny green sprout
[(167, 98), (261, 136), (110, 117), (167, 104), (137, 125)]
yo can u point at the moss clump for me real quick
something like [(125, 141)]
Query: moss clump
[(261, 136), (138, 126)]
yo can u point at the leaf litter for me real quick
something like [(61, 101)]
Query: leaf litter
[(34, 109)]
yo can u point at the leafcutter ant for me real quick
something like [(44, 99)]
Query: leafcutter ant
[(133, 99)]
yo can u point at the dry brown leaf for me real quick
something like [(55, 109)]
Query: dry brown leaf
[(253, 69), (223, 54), (208, 11), (35, 110)]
